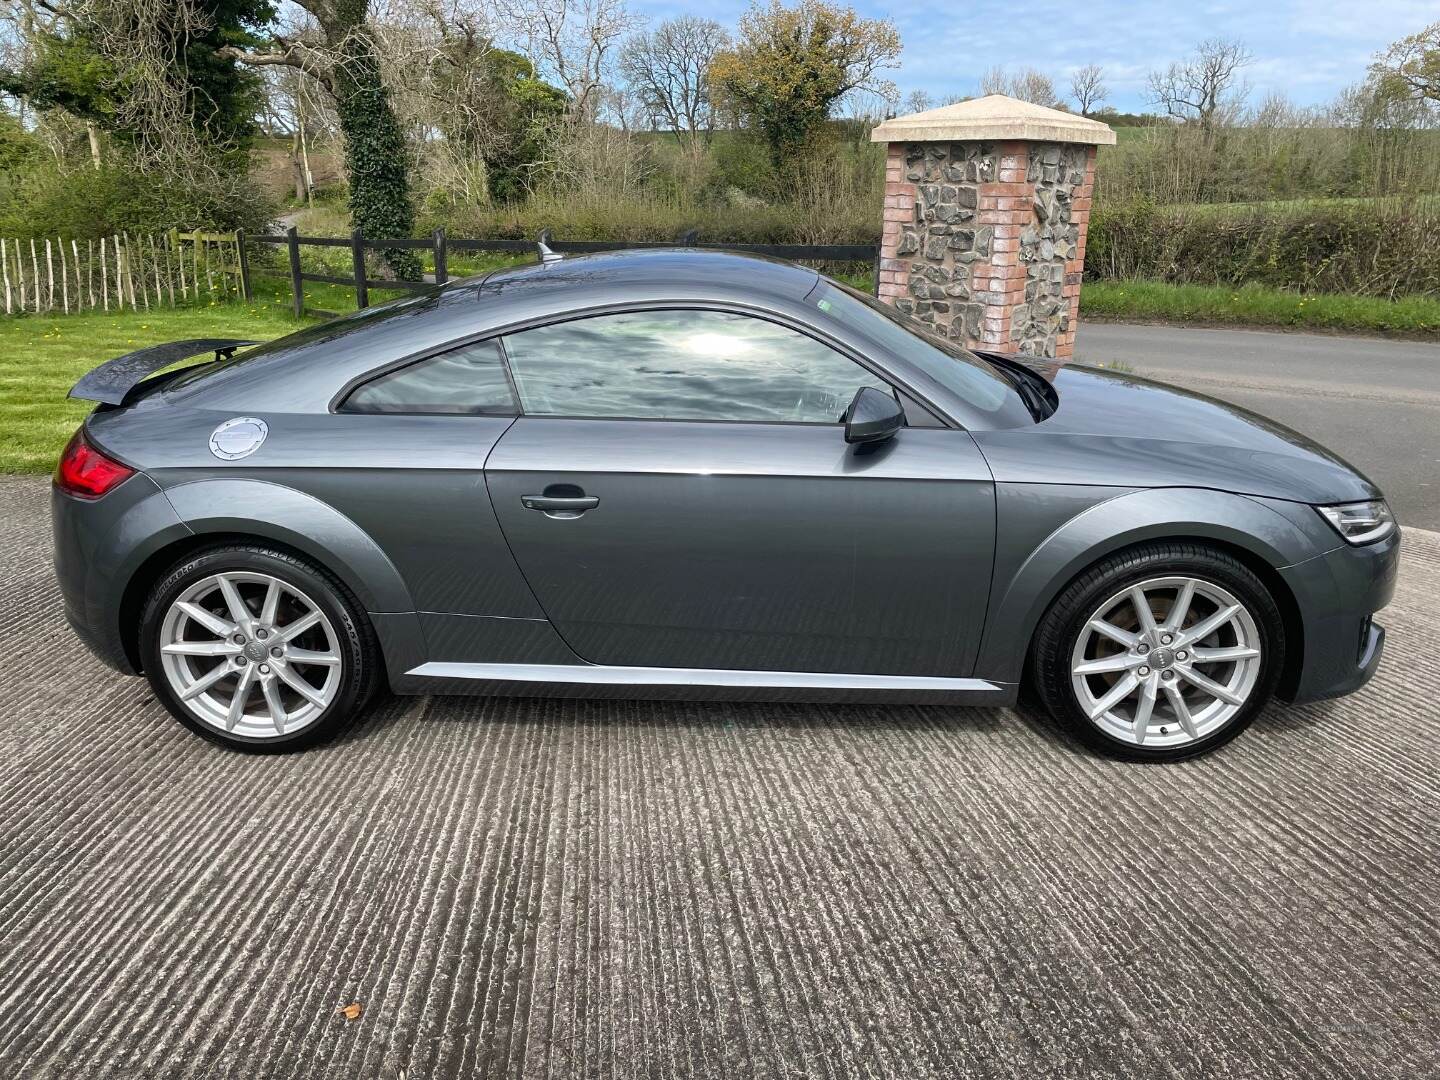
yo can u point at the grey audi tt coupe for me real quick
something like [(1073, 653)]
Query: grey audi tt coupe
[(690, 474)]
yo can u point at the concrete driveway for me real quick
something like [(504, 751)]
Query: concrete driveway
[(1375, 402), (563, 889)]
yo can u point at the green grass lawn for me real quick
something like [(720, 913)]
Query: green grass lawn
[(1254, 305)]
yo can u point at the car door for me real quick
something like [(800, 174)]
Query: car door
[(678, 493)]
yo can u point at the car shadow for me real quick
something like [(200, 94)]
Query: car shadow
[(388, 711)]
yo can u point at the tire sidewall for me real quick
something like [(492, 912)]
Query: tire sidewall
[(328, 595), (1067, 617)]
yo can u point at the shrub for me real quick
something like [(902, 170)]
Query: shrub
[(1370, 247), (43, 199)]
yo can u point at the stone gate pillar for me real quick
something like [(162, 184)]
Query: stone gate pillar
[(986, 207)]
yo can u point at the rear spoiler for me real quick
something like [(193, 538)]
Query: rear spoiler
[(112, 382)]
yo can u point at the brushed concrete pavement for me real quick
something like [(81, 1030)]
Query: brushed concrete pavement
[(562, 889), (1375, 402)]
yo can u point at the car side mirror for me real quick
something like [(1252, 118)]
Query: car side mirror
[(873, 416)]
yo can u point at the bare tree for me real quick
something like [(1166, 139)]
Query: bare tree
[(1087, 87), (1027, 84), (1204, 89), (571, 40), (918, 101), (669, 69)]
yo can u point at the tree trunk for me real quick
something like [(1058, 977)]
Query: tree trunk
[(94, 135)]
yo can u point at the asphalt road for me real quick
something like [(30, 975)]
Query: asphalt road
[(1375, 402), (569, 889)]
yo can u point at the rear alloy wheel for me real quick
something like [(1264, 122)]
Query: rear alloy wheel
[(1161, 653), (255, 649)]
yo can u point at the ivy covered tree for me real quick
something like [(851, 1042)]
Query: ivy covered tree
[(346, 62)]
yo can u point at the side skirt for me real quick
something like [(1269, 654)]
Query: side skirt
[(709, 684)]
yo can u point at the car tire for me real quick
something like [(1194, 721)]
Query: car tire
[(307, 659), (1078, 664)]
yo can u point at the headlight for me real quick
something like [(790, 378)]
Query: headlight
[(1361, 522)]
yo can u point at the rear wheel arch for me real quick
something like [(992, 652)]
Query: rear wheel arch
[(159, 562)]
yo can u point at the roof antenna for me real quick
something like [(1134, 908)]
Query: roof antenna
[(542, 246)]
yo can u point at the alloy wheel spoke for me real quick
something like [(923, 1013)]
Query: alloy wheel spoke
[(270, 603), (299, 626), (1203, 629), (1176, 618), (209, 679), (310, 656), (270, 687), (1210, 686), (1143, 611), (1118, 662), (214, 623), (1182, 711), (300, 686), (1118, 693), (236, 606), (201, 648), (1145, 707), (1113, 632), (1224, 655), (237, 702)]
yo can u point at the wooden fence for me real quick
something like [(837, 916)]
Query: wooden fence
[(56, 275), (441, 246)]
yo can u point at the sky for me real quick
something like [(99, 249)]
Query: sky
[(1309, 50)]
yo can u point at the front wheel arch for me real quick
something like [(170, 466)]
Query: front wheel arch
[(1292, 625), (1262, 538)]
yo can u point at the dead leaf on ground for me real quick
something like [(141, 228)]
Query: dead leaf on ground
[(352, 1011)]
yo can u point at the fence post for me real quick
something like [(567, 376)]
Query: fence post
[(297, 287), (244, 260), (875, 271), (442, 274), (357, 260)]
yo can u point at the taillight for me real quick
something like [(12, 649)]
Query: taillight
[(87, 473)]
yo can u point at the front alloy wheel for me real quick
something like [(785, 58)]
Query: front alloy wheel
[(256, 649), (1166, 662), (1161, 652)]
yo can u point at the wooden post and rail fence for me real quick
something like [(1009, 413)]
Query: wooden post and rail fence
[(120, 272)]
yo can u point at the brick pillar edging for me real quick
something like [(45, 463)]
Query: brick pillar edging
[(899, 211)]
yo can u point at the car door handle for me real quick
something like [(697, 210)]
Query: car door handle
[(569, 506)]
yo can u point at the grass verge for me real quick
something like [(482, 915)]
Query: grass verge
[(1255, 305)]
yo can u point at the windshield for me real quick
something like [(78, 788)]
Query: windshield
[(961, 372)]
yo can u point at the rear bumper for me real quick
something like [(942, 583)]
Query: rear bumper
[(1338, 594), (99, 546)]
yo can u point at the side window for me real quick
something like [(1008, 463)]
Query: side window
[(682, 365), (468, 381)]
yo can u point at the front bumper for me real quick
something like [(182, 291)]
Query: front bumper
[(1338, 594)]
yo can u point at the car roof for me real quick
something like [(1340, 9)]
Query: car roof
[(638, 270)]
